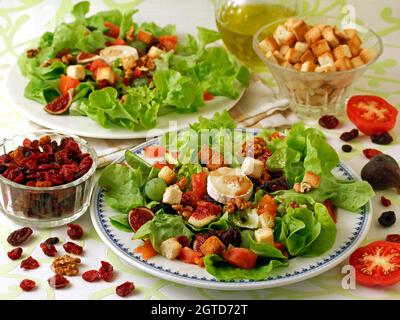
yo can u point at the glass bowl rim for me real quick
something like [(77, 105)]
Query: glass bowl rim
[(80, 141), (299, 72)]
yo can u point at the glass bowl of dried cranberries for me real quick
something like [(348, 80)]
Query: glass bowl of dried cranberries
[(46, 178)]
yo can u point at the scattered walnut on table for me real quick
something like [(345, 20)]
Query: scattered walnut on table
[(66, 265)]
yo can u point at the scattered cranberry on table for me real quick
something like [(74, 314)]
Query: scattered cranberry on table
[(125, 289), (350, 135), (393, 238), (106, 271), (370, 153), (15, 254), (29, 264), (385, 201), (347, 148), (328, 122), (73, 248), (48, 249), (91, 276), (58, 281), (19, 236), (383, 139), (75, 231), (27, 285)]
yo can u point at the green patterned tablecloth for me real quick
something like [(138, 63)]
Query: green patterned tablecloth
[(24, 20)]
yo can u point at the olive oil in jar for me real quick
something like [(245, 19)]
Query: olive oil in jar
[(239, 20)]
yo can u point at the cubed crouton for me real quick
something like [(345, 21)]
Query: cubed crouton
[(172, 195), (154, 52), (340, 34), (357, 62), (270, 56), (326, 68), (284, 37), (105, 73), (290, 22), (342, 51), (266, 220), (308, 66), (301, 46), (145, 36), (293, 55), (343, 64), (355, 45), (167, 174), (313, 35), (320, 26), (284, 49), (307, 56), (252, 167), (286, 64), (128, 62), (279, 56), (367, 54), (76, 71), (297, 66), (351, 33), (170, 248), (268, 44), (320, 47), (330, 37), (212, 246), (264, 235), (312, 179), (325, 59), (299, 29)]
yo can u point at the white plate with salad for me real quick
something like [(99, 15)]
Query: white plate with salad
[(295, 212), (106, 76)]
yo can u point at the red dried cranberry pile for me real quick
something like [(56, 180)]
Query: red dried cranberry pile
[(45, 163)]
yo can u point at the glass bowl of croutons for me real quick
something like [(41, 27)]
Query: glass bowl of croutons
[(316, 60)]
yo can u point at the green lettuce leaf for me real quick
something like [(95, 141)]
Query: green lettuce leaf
[(156, 30), (163, 227), (80, 9), (122, 185), (42, 91), (121, 222)]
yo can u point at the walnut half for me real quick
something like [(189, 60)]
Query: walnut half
[(66, 265)]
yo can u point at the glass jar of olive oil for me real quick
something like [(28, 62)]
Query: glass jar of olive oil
[(239, 20)]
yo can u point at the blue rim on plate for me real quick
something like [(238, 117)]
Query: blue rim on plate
[(325, 262)]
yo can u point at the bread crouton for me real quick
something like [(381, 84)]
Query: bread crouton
[(312, 179), (342, 51), (367, 54), (326, 59), (293, 56), (308, 66), (299, 29), (320, 47), (170, 248), (287, 64), (268, 44), (340, 34), (167, 174), (343, 64), (297, 66), (312, 35), (284, 37), (307, 56), (212, 246), (301, 46), (357, 62), (326, 68), (279, 56), (270, 56), (330, 37), (284, 49), (264, 235)]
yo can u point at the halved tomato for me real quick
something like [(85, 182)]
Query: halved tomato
[(113, 29), (67, 83), (371, 114), (377, 264)]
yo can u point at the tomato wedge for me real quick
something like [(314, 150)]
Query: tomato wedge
[(113, 29), (168, 42), (331, 210), (207, 96), (377, 264), (371, 114), (199, 184), (67, 83), (97, 64), (240, 257), (267, 205), (116, 42)]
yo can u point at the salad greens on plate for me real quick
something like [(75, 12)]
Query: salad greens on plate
[(121, 73), (238, 203)]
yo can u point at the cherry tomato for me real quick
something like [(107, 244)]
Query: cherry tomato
[(67, 83), (241, 257), (97, 64), (199, 184), (116, 42), (377, 264), (113, 29), (207, 96), (329, 205), (168, 42), (371, 114)]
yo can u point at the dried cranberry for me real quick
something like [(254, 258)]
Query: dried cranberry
[(91, 276), (347, 148), (73, 248), (393, 238), (75, 231), (48, 249), (347, 136), (58, 281), (29, 264), (384, 138), (184, 241), (385, 201), (27, 285), (106, 271), (230, 236), (328, 122), (85, 164), (52, 240), (125, 289), (370, 153), (19, 236), (103, 84), (15, 254)]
